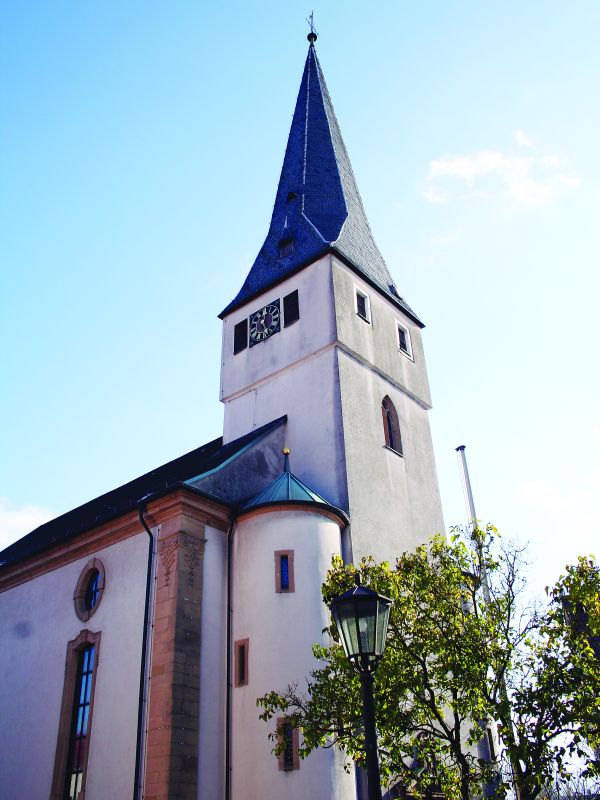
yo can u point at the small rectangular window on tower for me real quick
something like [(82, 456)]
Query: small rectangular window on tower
[(240, 336), (289, 758), (291, 309), (403, 339), (240, 654), (363, 307), (284, 571)]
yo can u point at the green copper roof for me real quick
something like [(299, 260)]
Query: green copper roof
[(285, 489)]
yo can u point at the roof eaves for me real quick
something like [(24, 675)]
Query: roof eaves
[(241, 301), (397, 301)]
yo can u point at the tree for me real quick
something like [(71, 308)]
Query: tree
[(456, 660)]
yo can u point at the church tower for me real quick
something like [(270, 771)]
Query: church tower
[(165, 607), (320, 332)]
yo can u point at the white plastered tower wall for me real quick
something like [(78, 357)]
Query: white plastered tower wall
[(394, 500), (280, 628), (329, 372), (294, 373)]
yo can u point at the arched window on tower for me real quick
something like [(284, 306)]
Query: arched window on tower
[(391, 425)]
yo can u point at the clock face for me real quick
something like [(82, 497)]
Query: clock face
[(264, 323)]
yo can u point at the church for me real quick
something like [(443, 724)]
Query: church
[(138, 630)]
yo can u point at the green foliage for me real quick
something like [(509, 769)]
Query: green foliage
[(459, 653)]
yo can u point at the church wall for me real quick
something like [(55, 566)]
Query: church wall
[(394, 499), (211, 753), (37, 620), (280, 628)]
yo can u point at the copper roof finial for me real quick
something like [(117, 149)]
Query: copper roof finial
[(286, 461), (312, 36)]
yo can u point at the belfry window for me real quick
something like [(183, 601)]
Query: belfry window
[(291, 309), (391, 425), (404, 344), (240, 336), (362, 305)]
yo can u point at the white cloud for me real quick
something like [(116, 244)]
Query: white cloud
[(435, 195), (527, 181), (15, 521), (523, 140)]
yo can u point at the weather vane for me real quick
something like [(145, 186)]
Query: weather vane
[(312, 36)]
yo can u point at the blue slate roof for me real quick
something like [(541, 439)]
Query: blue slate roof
[(163, 479), (317, 203)]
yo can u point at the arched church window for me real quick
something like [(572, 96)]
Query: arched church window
[(391, 425), (75, 724)]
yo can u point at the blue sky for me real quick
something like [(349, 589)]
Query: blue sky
[(140, 147)]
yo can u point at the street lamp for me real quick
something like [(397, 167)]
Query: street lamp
[(362, 617)]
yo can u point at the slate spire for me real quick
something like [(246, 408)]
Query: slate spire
[(317, 208)]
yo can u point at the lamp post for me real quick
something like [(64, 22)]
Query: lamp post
[(362, 617)]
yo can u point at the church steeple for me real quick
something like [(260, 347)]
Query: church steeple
[(317, 208)]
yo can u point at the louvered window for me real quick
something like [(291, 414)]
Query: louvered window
[(240, 336), (291, 309)]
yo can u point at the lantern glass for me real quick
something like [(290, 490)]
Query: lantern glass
[(361, 616)]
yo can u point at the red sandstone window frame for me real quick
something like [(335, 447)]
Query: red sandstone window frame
[(79, 595), (291, 587), (74, 647), (294, 762), (240, 673)]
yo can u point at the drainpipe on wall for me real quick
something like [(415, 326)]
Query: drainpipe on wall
[(142, 702)]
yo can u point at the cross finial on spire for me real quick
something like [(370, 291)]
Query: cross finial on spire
[(312, 36)]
